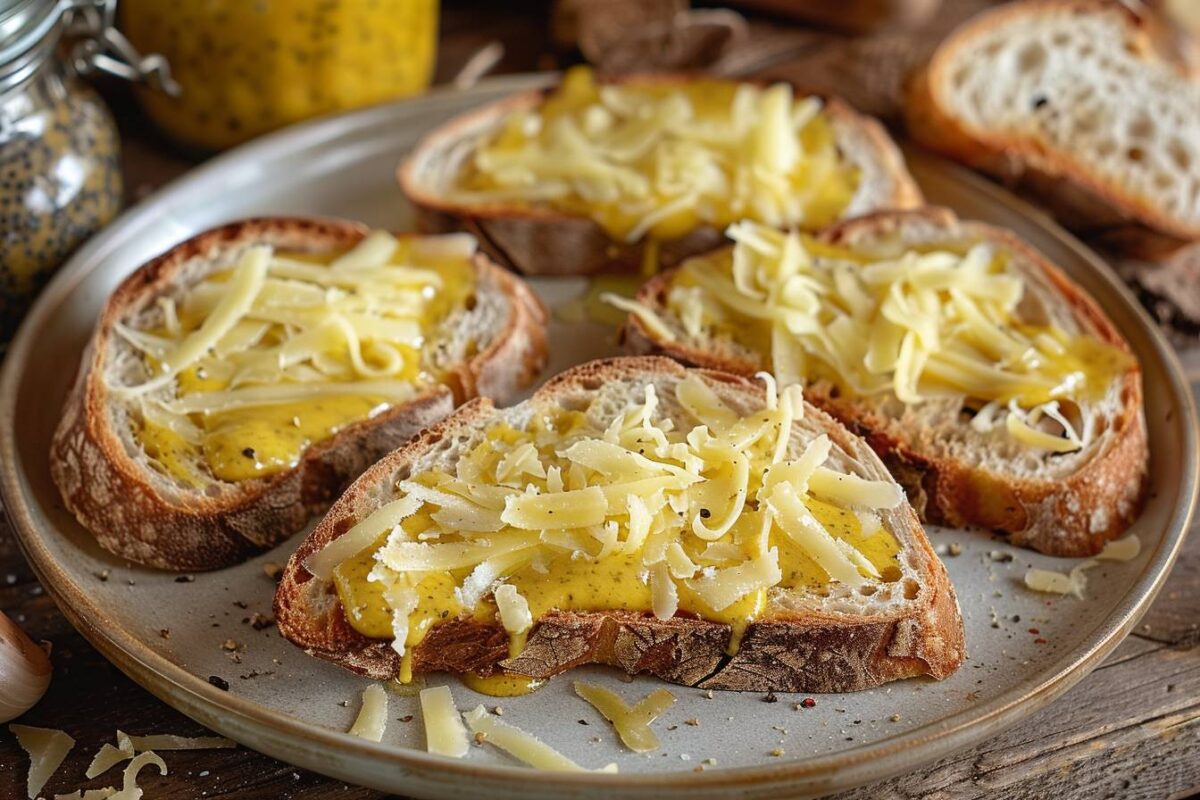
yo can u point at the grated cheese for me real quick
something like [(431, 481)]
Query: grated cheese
[(632, 723), (514, 610), (371, 722), (88, 794), (657, 160), (361, 536), (521, 745), (47, 748), (916, 323), (281, 351), (109, 756), (1050, 582), (702, 516), (129, 789), (158, 742), (444, 731), (1125, 549)]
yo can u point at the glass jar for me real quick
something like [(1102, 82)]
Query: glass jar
[(60, 178), (250, 66)]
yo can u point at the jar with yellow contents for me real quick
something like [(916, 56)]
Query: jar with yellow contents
[(60, 177), (249, 66)]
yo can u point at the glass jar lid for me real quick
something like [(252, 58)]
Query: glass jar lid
[(29, 30)]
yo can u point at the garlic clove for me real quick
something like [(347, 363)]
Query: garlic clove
[(24, 671)]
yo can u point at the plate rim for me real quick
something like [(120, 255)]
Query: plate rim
[(244, 718)]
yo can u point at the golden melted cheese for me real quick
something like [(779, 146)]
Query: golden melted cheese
[(916, 322), (255, 364), (660, 159), (640, 516)]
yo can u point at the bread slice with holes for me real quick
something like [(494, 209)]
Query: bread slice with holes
[(832, 639), (1065, 504), (540, 239), (1078, 102), (494, 344)]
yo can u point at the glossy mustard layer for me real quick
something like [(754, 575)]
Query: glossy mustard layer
[(316, 345), (601, 561), (661, 159), (614, 583)]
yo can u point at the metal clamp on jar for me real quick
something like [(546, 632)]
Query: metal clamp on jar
[(60, 178)]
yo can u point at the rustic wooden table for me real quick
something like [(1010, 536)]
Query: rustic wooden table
[(1129, 730)]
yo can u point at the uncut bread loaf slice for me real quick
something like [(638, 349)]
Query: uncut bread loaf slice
[(123, 459), (1054, 454), (619, 592), (636, 169), (1078, 101)]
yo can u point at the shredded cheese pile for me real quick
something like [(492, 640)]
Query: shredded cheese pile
[(699, 514), (918, 325), (252, 364), (661, 159)]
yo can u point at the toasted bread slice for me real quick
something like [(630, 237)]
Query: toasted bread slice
[(830, 638), (494, 344), (1075, 100), (956, 471), (541, 239)]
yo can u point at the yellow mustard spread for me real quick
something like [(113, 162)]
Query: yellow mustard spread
[(308, 324), (549, 574)]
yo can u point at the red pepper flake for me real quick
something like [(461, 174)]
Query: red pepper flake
[(1039, 640), (1034, 631)]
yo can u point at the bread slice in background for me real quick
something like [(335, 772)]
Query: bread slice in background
[(1079, 102), (540, 240), (845, 641), (496, 346), (1066, 504)]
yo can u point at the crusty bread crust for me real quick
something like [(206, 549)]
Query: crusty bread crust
[(132, 516), (783, 651), (540, 240), (1065, 516), (1080, 198)]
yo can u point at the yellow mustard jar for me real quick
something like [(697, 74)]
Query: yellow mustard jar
[(249, 66)]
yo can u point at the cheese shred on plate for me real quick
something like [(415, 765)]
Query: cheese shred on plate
[(632, 723), (661, 158), (47, 748), (371, 722), (916, 323), (521, 745), (445, 733), (246, 368), (633, 513)]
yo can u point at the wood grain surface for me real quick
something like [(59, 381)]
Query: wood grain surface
[(1129, 730)]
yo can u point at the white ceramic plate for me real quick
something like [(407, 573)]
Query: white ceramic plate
[(295, 708)]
